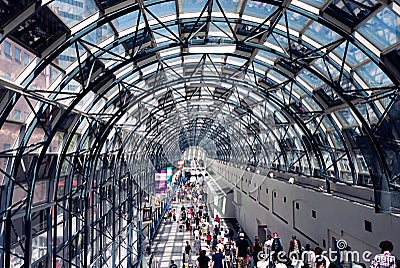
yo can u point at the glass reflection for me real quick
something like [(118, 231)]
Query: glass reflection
[(383, 29), (162, 9), (354, 55), (321, 34), (258, 9), (296, 21), (373, 75), (73, 12)]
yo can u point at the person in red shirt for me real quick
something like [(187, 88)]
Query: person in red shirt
[(218, 220)]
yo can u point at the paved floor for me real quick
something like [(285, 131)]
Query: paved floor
[(169, 243)]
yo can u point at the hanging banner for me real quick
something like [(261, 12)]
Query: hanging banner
[(169, 175), (161, 181)]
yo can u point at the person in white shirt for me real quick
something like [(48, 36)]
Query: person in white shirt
[(267, 249), (196, 233), (308, 257), (220, 246)]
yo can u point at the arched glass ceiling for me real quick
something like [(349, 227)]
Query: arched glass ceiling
[(331, 62), (330, 67), (90, 86)]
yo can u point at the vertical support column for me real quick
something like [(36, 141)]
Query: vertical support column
[(130, 218), (379, 176)]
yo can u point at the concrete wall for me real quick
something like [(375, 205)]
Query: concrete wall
[(315, 217), (219, 198)]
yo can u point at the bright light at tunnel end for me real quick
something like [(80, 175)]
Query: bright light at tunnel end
[(222, 48)]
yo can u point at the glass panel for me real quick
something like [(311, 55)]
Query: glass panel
[(162, 32), (12, 63), (336, 139), (311, 78), (385, 102), (373, 75), (39, 246), (321, 34), (227, 5), (44, 80), (354, 55), (278, 40), (273, 75), (68, 56), (126, 21), (73, 12), (220, 29), (258, 9), (268, 55), (296, 21), (327, 69), (193, 6), (162, 9), (382, 30), (99, 34), (367, 113), (106, 58), (362, 165), (315, 3), (327, 123), (346, 117), (21, 110), (8, 133), (17, 259), (310, 103)]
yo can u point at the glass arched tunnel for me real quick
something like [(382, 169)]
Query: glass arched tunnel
[(95, 95)]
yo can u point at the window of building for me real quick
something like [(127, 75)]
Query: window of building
[(72, 2), (70, 16), (7, 76), (7, 49), (26, 59), (314, 214), (17, 114), (368, 226), (284, 199), (6, 146), (297, 205), (26, 114), (17, 54)]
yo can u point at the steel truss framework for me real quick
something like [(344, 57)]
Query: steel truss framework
[(116, 89)]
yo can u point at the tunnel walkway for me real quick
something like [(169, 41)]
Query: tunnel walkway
[(169, 242)]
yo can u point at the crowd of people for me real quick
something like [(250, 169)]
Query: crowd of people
[(226, 248)]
